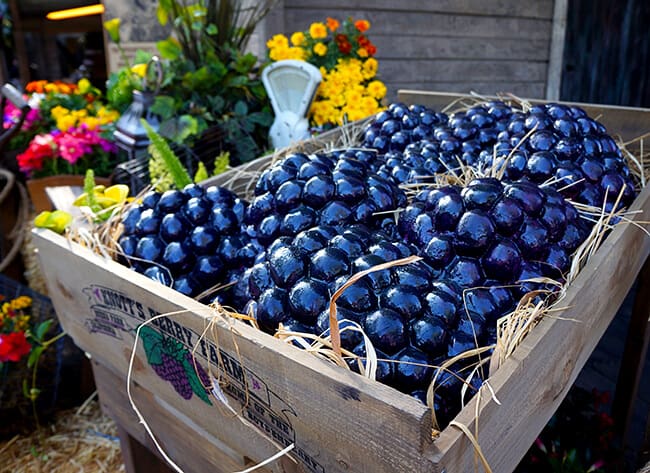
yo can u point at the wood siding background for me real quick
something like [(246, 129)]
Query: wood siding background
[(443, 45), (483, 46)]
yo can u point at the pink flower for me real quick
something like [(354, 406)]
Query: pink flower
[(71, 148)]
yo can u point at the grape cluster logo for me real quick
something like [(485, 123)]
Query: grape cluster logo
[(173, 362)]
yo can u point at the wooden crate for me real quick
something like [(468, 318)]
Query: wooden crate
[(337, 420)]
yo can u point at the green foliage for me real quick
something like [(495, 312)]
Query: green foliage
[(207, 76), (160, 151)]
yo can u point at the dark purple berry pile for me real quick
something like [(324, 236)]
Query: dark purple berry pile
[(399, 125), (189, 239), (334, 189), (415, 143), (409, 313), (494, 234), (569, 149), (551, 143)]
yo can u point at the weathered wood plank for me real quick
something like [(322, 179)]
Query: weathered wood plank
[(556, 53), (189, 445), (533, 381), (514, 8), (520, 89), (422, 23), (443, 47), (627, 122), (293, 396), (448, 70)]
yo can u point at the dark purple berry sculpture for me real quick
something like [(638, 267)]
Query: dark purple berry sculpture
[(493, 234), (334, 189), (187, 239), (410, 315), (562, 145)]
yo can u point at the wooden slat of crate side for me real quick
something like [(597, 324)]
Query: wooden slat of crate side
[(191, 447), (531, 383), (340, 420), (627, 122)]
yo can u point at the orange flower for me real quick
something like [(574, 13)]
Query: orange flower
[(362, 25), (36, 86), (332, 24)]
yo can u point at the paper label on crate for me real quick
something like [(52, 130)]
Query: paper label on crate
[(180, 356)]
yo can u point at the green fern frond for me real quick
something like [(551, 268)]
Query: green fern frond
[(160, 149)]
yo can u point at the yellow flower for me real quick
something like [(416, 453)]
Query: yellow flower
[(298, 38), (362, 52), (278, 41), (318, 30), (21, 323), (91, 122), (6, 307), (64, 123), (369, 68), (113, 29), (84, 86), (59, 111), (352, 96), (377, 89), (21, 302), (139, 69), (320, 49)]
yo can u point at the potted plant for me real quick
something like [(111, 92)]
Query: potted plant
[(344, 54), (211, 88), (69, 131)]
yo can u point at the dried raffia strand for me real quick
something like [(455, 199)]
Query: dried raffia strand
[(334, 324)]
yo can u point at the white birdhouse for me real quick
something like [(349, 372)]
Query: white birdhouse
[(291, 86)]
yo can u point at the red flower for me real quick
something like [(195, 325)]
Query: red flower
[(363, 41), (13, 346), (371, 48), (345, 48)]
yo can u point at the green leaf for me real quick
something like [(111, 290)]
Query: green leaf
[(169, 49), (34, 355), (212, 29), (195, 382), (164, 106), (42, 329), (152, 342), (188, 126), (159, 147), (240, 108), (142, 57)]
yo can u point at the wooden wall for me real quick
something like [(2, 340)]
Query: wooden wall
[(486, 46)]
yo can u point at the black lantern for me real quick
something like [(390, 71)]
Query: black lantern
[(130, 136)]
